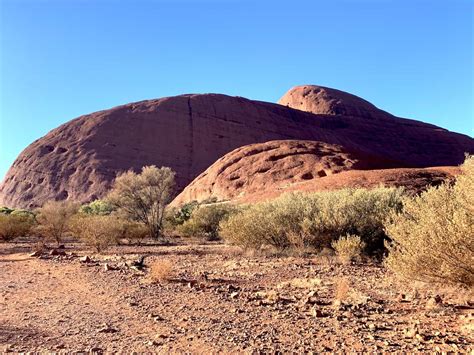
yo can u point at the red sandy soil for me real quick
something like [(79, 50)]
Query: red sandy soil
[(219, 299)]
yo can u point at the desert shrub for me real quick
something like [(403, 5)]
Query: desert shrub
[(134, 231), (13, 226), (314, 220), (205, 220), (54, 220), (97, 207), (6, 210), (348, 248), (143, 197), (184, 213), (97, 231), (433, 237), (25, 213), (161, 270)]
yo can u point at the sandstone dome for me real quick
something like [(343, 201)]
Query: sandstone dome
[(265, 170), (79, 160), (326, 101)]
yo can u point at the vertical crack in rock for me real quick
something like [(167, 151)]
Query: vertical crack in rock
[(191, 137)]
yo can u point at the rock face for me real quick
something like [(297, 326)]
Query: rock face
[(265, 170), (79, 159), (255, 168), (326, 101)]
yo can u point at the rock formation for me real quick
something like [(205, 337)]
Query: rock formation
[(79, 159), (326, 101), (265, 170)]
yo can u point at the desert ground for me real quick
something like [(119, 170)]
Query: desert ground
[(219, 299)]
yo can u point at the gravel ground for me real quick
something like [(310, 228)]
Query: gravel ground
[(218, 299)]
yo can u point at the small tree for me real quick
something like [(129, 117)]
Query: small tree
[(53, 219), (143, 197)]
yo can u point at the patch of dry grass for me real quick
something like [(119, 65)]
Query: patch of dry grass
[(348, 248), (161, 271), (342, 289)]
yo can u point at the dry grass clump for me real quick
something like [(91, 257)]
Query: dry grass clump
[(433, 237), (348, 248), (341, 290), (13, 226), (54, 220), (161, 271), (314, 220)]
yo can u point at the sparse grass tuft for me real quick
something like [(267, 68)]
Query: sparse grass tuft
[(348, 248), (161, 271), (342, 288)]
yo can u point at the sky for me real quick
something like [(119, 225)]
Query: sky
[(64, 58)]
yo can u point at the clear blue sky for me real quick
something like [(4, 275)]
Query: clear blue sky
[(64, 58)]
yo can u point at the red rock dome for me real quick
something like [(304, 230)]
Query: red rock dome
[(79, 159)]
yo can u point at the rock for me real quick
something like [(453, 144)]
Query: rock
[(153, 343), (35, 254), (263, 170), (107, 329), (79, 159), (234, 295), (155, 317), (411, 332), (8, 348), (316, 312), (56, 252), (138, 264), (96, 350), (433, 302), (108, 267), (85, 259)]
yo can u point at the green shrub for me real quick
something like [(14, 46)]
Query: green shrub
[(348, 248), (433, 237), (13, 226), (205, 219), (177, 216), (97, 207), (24, 213), (314, 220), (6, 210)]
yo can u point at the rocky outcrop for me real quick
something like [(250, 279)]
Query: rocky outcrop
[(326, 101), (265, 170), (79, 159)]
